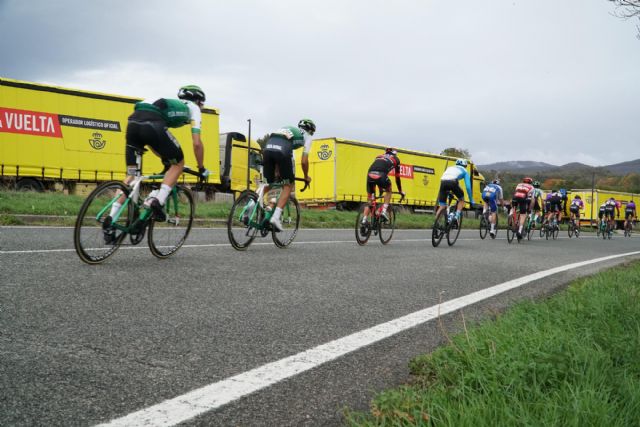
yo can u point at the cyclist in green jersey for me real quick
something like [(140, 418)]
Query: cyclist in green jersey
[(149, 126), (278, 161), (538, 203)]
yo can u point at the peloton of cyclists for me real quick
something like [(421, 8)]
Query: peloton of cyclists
[(630, 213), (378, 177), (492, 196), (449, 184)]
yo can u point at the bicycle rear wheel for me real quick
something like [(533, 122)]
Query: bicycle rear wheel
[(290, 222), (484, 227), (570, 229), (439, 228), (454, 231), (166, 237), (363, 231), (386, 228), (510, 229), (93, 237), (244, 216)]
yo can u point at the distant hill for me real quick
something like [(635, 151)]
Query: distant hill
[(531, 168)]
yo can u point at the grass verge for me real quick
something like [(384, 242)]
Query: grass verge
[(572, 360)]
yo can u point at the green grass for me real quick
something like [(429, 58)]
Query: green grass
[(572, 360), (66, 206)]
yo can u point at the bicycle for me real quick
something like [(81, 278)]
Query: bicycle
[(375, 222), (529, 226), (97, 235), (249, 216), (485, 225), (606, 229), (573, 228), (553, 229), (445, 222), (513, 225), (628, 228)]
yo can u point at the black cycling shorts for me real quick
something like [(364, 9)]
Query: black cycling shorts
[(377, 179), (154, 134), (628, 214), (447, 187), (554, 204), (609, 211), (522, 204), (278, 167), (601, 213), (574, 209)]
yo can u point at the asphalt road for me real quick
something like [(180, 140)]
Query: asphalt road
[(84, 345)]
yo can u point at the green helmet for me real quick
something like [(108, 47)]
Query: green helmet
[(308, 125), (191, 93), (536, 184)]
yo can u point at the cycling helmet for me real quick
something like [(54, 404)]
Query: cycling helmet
[(563, 191), (462, 162), (578, 197), (536, 184), (191, 93), (527, 180), (308, 125), (391, 150), (496, 181)]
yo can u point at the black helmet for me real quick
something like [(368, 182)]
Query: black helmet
[(496, 181), (308, 125), (191, 93), (391, 150)]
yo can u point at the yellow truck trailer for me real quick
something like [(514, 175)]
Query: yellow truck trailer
[(55, 137), (592, 200), (338, 169)]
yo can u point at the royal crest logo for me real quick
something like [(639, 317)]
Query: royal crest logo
[(324, 153), (96, 141)]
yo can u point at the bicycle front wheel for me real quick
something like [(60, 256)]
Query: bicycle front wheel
[(243, 219), (290, 220), (510, 229), (363, 231), (166, 237), (95, 236), (439, 228), (385, 228), (454, 231), (484, 227)]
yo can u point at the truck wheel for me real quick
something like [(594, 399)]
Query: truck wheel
[(29, 184)]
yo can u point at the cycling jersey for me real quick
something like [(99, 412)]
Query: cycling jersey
[(174, 112), (378, 173), (630, 210), (610, 207), (490, 194), (278, 152), (576, 206), (449, 183), (523, 191)]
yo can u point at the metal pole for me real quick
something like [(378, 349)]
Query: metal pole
[(249, 157), (593, 183)]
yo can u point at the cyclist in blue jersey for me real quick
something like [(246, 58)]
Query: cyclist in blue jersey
[(449, 184), (492, 196)]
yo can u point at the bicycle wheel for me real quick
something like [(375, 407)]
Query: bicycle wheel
[(510, 229), (243, 219), (363, 232), (290, 223), (556, 231), (484, 227), (454, 232), (577, 230), (439, 228), (570, 229), (94, 239), (386, 228), (166, 237)]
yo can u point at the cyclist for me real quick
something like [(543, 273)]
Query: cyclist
[(278, 161), (492, 196), (555, 203), (563, 204), (538, 203), (576, 206), (449, 184), (149, 126), (601, 212), (611, 206), (630, 213), (378, 176), (523, 201)]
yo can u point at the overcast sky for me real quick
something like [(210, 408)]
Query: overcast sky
[(547, 80)]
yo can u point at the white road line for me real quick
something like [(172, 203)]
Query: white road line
[(213, 396)]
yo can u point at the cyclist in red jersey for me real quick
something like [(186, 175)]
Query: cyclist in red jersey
[(524, 201)]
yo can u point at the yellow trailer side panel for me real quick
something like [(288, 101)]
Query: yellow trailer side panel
[(593, 199), (59, 133)]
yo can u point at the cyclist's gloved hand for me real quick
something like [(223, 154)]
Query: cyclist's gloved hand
[(204, 172)]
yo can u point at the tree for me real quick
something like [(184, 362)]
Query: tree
[(626, 9), (456, 152)]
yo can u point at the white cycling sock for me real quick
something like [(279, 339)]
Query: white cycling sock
[(115, 208), (163, 193), (277, 213)]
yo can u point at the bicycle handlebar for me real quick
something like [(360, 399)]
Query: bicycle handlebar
[(306, 183)]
